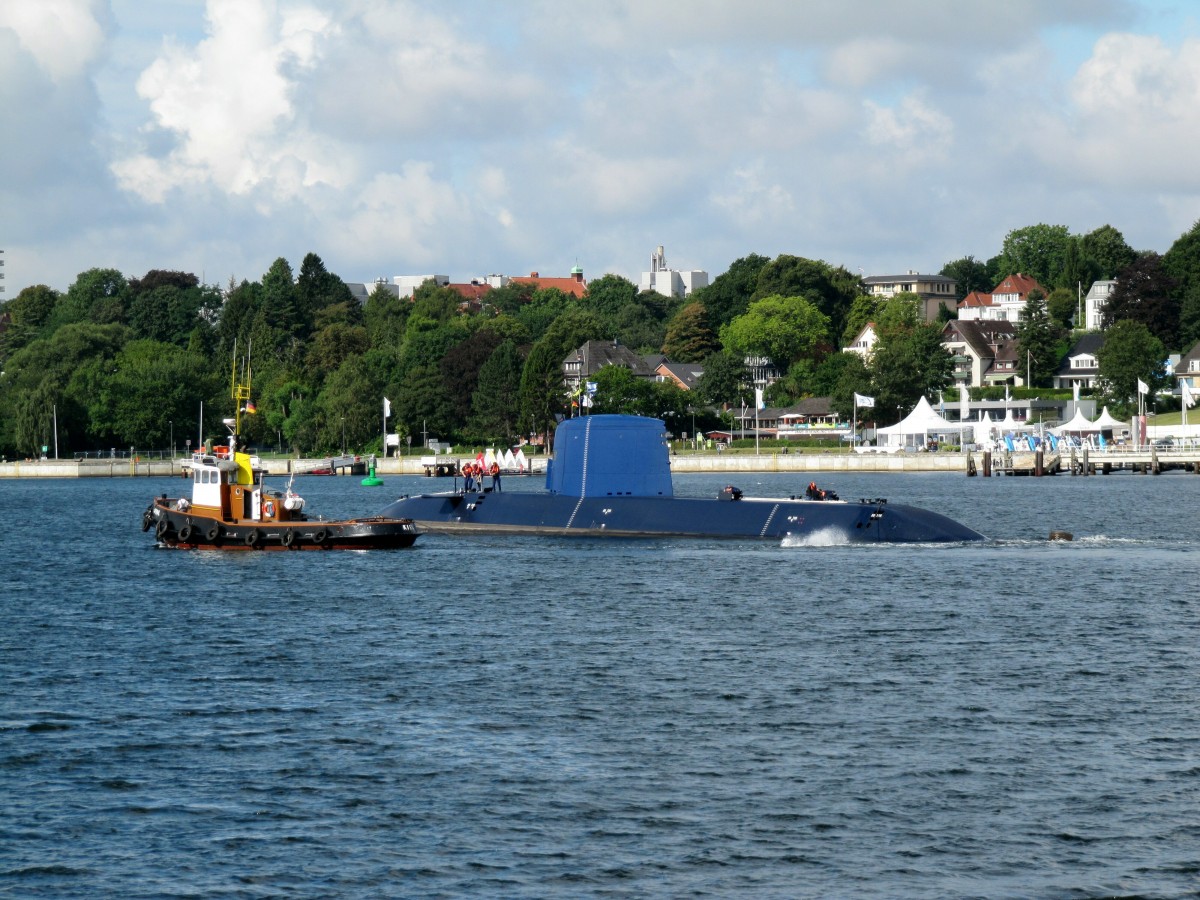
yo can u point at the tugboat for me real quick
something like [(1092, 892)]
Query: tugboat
[(611, 475), (231, 508)]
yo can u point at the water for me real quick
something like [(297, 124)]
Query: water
[(542, 717)]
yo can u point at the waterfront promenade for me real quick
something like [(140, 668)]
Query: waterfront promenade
[(814, 461)]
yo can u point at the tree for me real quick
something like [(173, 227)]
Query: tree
[(352, 400), (862, 312), (170, 313), (1037, 341), (1062, 306), (688, 338), (155, 383), (238, 314), (1182, 262), (618, 390), (831, 290), (460, 367), (724, 381), (907, 364), (1036, 250), (608, 295), (1145, 293), (422, 403), (970, 274), (289, 412), (543, 394), (1106, 249), (839, 378), (1130, 353), (280, 310), (97, 295), (543, 309), (729, 294), (330, 347), (784, 329), (318, 288), (29, 313), (495, 404), (385, 316), (75, 364)]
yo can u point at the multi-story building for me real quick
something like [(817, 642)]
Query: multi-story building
[(1094, 303), (671, 282), (936, 291), (582, 363), (1081, 365), (1005, 303), (984, 351)]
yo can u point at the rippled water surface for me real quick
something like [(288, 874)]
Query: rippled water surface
[(541, 717)]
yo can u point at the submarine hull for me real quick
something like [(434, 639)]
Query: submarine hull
[(767, 519)]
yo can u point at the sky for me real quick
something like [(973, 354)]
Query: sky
[(476, 137)]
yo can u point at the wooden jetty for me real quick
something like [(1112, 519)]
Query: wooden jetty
[(1148, 460)]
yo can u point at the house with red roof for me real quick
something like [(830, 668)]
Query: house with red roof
[(1006, 302), (574, 285)]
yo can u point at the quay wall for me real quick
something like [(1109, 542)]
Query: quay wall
[(410, 465)]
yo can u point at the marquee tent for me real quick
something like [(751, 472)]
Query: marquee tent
[(1106, 422), (1079, 424), (915, 429)]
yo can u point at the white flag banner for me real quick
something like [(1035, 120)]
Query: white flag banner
[(1077, 392), (758, 399), (387, 408), (1186, 395), (862, 400), (1143, 388)]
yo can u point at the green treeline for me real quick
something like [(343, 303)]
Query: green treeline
[(127, 362)]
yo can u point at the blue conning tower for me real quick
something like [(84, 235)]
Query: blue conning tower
[(610, 456)]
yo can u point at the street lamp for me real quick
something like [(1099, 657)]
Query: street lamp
[(343, 435)]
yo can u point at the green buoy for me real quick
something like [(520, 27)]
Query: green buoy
[(372, 480)]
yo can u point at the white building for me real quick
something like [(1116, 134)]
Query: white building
[(408, 284), (671, 282), (1094, 303), (936, 291)]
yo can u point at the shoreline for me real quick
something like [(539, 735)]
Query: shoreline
[(411, 465)]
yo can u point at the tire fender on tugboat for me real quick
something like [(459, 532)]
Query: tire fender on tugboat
[(214, 532), (251, 537), (185, 533), (161, 529), (319, 536)]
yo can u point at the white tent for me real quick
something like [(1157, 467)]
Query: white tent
[(1106, 422), (1079, 424), (918, 425), (983, 429)]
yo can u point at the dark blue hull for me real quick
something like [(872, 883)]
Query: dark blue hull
[(552, 514)]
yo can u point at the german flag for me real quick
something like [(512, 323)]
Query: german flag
[(251, 408)]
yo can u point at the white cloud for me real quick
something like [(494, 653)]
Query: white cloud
[(751, 197), (229, 103), (64, 36), (912, 132), (1133, 121), (408, 212)]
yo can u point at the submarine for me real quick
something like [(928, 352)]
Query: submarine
[(611, 476)]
